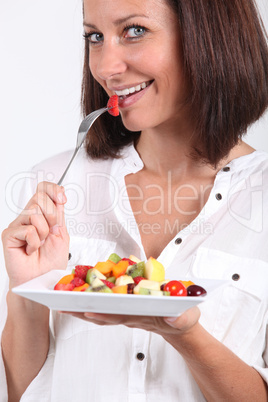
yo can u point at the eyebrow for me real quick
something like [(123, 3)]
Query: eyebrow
[(119, 21)]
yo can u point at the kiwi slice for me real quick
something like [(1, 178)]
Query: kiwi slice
[(114, 258)]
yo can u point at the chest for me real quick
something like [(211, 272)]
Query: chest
[(162, 209)]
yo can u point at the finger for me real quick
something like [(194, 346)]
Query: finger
[(35, 218), (104, 318), (41, 224), (186, 320), (85, 318), (55, 192), (41, 205), (24, 235), (52, 199), (131, 321), (98, 318), (48, 196)]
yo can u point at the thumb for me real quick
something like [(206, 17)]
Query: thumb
[(185, 320)]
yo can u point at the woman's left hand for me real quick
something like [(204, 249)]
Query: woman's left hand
[(164, 326)]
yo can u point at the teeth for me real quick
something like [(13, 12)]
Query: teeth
[(131, 90)]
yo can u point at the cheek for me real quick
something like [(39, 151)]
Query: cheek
[(92, 65)]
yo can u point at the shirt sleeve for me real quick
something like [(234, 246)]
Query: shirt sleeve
[(39, 389), (3, 314), (263, 371)]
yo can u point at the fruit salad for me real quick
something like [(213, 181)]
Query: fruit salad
[(127, 276)]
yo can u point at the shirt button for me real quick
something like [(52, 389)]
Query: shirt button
[(140, 356), (218, 196), (226, 169), (178, 240), (235, 277)]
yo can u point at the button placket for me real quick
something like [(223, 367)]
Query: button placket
[(221, 180), (138, 365), (219, 194)]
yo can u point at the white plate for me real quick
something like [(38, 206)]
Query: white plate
[(41, 290)]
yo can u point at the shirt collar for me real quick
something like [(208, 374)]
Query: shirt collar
[(131, 159)]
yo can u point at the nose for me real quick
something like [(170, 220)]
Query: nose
[(110, 61)]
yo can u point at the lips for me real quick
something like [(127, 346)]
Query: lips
[(125, 101), (132, 90)]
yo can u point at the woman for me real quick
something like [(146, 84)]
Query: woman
[(171, 178)]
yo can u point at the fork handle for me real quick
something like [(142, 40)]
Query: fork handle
[(67, 168), (83, 129)]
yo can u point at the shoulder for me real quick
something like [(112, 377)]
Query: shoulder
[(51, 169), (248, 192), (258, 172), (251, 167)]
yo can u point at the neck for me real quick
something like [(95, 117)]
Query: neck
[(171, 152), (168, 150)]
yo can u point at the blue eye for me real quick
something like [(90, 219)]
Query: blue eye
[(93, 37), (134, 31)]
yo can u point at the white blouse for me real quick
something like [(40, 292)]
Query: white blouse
[(87, 362)]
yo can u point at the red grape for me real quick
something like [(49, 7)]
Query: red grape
[(195, 290)]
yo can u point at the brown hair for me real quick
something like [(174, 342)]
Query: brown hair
[(226, 63)]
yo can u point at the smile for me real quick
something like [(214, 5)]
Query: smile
[(132, 90)]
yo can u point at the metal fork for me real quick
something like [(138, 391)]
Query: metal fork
[(81, 135)]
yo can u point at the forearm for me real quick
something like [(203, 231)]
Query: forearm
[(25, 343), (220, 374)]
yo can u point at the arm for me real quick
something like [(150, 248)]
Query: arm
[(25, 343), (36, 242), (220, 374)]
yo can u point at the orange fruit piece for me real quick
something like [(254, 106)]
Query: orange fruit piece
[(66, 279), (105, 267), (120, 268), (81, 288), (187, 283), (120, 289)]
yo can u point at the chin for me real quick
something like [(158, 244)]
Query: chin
[(134, 124)]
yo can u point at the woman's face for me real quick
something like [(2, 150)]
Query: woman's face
[(135, 52)]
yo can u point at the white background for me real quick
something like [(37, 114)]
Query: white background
[(41, 50)]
